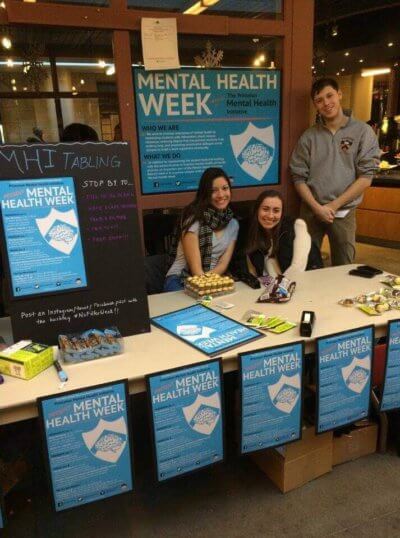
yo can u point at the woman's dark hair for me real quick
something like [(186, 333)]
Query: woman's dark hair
[(202, 201), (78, 132), (258, 238)]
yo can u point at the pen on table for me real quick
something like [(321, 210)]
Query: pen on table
[(61, 374)]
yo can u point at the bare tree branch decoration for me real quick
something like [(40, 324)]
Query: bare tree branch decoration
[(209, 57)]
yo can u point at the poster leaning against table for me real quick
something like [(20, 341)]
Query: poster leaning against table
[(344, 373)]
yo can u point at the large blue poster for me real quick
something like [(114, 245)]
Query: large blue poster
[(206, 330), (88, 445), (187, 416), (191, 119), (391, 389), (42, 232), (271, 396), (344, 364)]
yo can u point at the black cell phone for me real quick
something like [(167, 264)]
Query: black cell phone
[(372, 270), (359, 272)]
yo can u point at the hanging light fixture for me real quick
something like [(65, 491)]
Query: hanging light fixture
[(334, 30), (6, 42)]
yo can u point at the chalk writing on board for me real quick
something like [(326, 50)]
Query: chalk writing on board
[(94, 309)]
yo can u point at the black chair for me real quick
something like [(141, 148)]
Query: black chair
[(155, 269), (158, 230)]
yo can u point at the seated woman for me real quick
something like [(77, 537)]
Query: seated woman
[(206, 233), (273, 243)]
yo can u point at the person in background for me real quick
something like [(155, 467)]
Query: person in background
[(374, 126), (206, 232), (332, 165), (79, 132), (274, 244)]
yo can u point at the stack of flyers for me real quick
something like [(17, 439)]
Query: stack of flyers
[(274, 324)]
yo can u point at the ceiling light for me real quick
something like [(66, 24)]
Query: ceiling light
[(256, 39), (396, 64), (322, 61), (73, 88), (390, 44), (6, 42), (347, 53), (338, 74), (14, 88), (313, 67), (373, 72), (25, 88), (13, 81), (82, 81), (334, 31), (361, 60), (3, 5), (256, 62), (110, 70), (9, 62), (101, 63), (262, 57), (343, 69)]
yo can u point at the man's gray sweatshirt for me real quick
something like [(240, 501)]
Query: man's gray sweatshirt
[(330, 163)]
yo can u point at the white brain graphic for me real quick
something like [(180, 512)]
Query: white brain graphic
[(205, 416), (287, 395), (256, 154), (358, 376), (62, 232), (109, 443)]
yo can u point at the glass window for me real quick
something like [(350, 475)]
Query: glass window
[(28, 120), (85, 74), (29, 74), (238, 51), (260, 9)]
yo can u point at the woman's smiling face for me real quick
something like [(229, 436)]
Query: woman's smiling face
[(270, 212), (221, 193)]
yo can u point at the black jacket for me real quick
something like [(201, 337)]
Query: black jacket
[(284, 254)]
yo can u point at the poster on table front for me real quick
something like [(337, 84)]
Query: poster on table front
[(41, 226), (344, 371), (192, 119), (391, 387), (187, 418), (271, 396), (70, 239), (206, 330), (88, 444)]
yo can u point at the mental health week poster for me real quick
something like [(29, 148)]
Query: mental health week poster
[(271, 396), (187, 417), (193, 119), (344, 365), (88, 446), (42, 234)]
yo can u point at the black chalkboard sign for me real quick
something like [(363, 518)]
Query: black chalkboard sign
[(65, 200)]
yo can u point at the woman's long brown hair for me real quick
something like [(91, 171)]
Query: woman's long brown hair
[(258, 238)]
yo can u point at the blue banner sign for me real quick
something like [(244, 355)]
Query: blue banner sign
[(206, 330), (87, 439), (187, 417), (41, 228), (191, 119), (344, 363), (271, 396), (391, 388)]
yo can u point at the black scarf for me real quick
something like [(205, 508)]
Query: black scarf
[(212, 220)]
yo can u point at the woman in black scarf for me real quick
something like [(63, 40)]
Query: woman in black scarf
[(206, 232)]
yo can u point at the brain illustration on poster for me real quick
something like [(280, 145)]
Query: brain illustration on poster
[(271, 394), (189, 120), (87, 443), (187, 418), (344, 377), (71, 239)]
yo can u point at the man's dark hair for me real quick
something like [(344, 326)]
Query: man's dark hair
[(322, 83)]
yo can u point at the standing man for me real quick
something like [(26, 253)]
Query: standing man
[(332, 165)]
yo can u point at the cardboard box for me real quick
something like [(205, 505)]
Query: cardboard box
[(359, 442), (25, 359), (295, 464)]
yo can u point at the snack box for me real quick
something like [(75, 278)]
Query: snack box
[(25, 359), (90, 344)]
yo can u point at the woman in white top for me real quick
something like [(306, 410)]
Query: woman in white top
[(207, 232)]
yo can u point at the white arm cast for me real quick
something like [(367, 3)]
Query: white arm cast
[(301, 249)]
